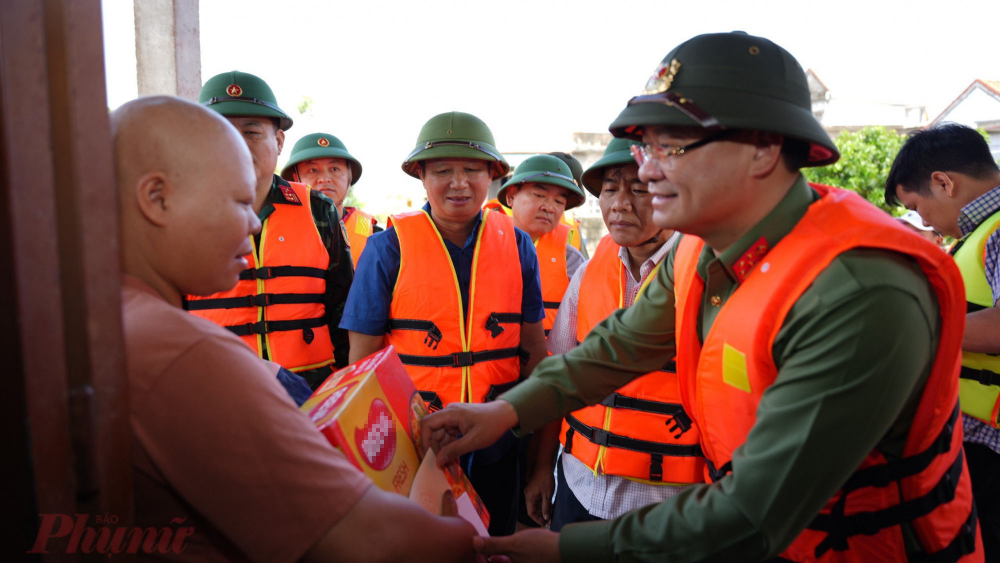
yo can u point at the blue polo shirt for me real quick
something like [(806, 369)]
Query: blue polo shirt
[(367, 307)]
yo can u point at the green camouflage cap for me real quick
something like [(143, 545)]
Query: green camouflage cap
[(545, 169), (240, 94), (729, 81), (455, 135), (320, 145), (618, 153)]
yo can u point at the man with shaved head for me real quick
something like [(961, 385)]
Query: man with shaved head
[(220, 451)]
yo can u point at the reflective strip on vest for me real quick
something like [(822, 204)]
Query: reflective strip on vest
[(427, 310), (641, 432), (929, 488), (281, 313), (551, 249), (359, 226), (978, 391)]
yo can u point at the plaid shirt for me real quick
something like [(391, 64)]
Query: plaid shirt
[(977, 211)]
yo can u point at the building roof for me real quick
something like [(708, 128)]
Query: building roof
[(991, 87)]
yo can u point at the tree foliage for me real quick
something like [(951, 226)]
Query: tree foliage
[(865, 159)]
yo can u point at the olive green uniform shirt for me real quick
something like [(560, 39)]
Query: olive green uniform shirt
[(852, 355)]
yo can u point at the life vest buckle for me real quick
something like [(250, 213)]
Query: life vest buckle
[(261, 273), (600, 437), (678, 423), (493, 325), (433, 337), (461, 359)]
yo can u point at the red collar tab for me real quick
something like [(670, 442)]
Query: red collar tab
[(745, 264), (290, 196)]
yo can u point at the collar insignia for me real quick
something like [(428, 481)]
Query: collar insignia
[(234, 90), (289, 194), (745, 264), (662, 78)]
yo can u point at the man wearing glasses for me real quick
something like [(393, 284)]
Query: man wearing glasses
[(817, 342)]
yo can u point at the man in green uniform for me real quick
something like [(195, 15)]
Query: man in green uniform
[(250, 105), (726, 124)]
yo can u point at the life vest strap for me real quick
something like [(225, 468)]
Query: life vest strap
[(839, 527), (271, 272), (434, 402), (499, 389), (551, 304), (681, 421), (460, 359), (265, 327), (963, 544), (434, 334), (984, 376), (494, 321), (716, 473), (261, 300), (602, 437), (971, 307), (887, 473)]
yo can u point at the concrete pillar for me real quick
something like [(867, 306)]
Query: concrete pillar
[(167, 47)]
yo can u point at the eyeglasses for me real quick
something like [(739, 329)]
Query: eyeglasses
[(659, 153)]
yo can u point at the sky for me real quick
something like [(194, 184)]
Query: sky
[(538, 71)]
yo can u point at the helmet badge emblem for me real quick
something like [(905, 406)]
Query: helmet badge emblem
[(323, 142), (662, 78), (234, 90)]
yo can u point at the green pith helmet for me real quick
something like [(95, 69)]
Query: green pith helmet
[(320, 145), (729, 81), (573, 163), (240, 94), (618, 153), (455, 135), (545, 169)]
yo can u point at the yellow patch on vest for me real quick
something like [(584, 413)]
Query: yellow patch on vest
[(734, 368)]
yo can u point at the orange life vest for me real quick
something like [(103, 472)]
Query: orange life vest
[(551, 249), (640, 431), (278, 302), (723, 379), (450, 355), (359, 226)]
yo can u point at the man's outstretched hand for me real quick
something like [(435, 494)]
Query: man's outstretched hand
[(461, 428), (528, 546)]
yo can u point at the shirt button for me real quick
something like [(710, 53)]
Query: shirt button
[(716, 300)]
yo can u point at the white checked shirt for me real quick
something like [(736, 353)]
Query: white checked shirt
[(605, 496), (977, 211)]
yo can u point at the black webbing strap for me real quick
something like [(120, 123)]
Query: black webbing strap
[(459, 359), (265, 327), (681, 421), (494, 321), (551, 304), (433, 401), (261, 300), (434, 334), (971, 307), (568, 448), (670, 366), (497, 390), (963, 544), (984, 376), (839, 527), (655, 467), (887, 473), (716, 473), (547, 331), (602, 437), (271, 272)]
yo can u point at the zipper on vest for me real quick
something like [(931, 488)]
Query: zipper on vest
[(601, 450)]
